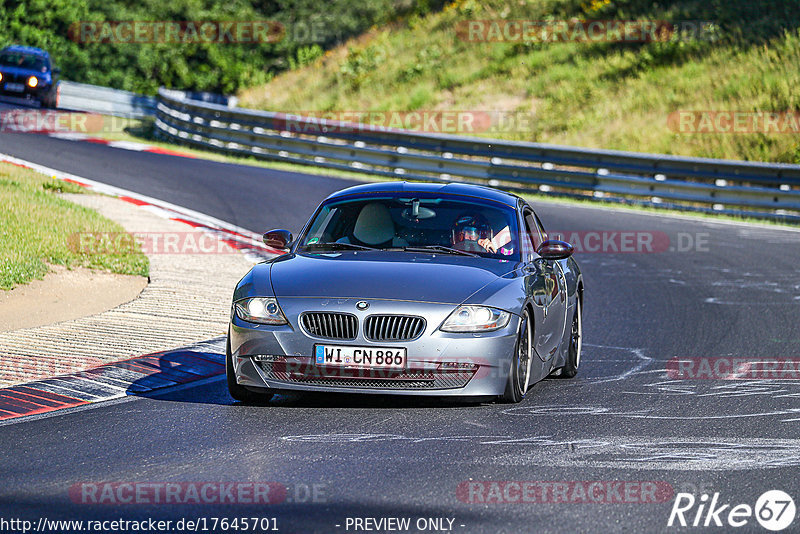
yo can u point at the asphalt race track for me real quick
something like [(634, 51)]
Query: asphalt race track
[(714, 290)]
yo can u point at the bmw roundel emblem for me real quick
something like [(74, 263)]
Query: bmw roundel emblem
[(362, 305)]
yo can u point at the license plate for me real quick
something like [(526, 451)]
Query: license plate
[(16, 87), (360, 357)]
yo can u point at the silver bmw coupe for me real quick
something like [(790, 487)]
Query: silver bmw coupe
[(409, 289)]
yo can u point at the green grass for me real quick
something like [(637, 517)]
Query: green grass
[(603, 95), (36, 226)]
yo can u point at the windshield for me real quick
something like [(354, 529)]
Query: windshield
[(415, 222), (23, 61)]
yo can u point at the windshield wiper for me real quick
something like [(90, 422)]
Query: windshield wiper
[(440, 248), (340, 246)]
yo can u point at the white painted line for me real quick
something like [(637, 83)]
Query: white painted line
[(70, 136), (113, 401), (159, 212), (130, 145)]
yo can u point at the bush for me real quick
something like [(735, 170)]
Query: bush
[(311, 26)]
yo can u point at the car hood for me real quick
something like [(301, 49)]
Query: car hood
[(392, 276)]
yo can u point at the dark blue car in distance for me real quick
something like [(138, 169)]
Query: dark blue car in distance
[(27, 72)]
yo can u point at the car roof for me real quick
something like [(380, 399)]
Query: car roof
[(425, 187), (26, 50)]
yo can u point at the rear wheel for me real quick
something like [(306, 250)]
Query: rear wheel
[(520, 373), (240, 393), (570, 368)]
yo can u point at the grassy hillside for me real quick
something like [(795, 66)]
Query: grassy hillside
[(310, 26), (605, 95)]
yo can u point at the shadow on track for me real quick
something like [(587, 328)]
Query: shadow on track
[(167, 370), (216, 393)]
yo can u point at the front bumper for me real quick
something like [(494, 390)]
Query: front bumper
[(438, 363), (39, 94)]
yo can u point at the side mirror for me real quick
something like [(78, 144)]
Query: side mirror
[(553, 249), (279, 239)]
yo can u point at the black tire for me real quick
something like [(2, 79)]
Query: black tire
[(519, 374), (49, 100), (241, 393), (570, 368)]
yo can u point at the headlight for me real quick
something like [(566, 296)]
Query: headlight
[(260, 310), (33, 81), (1, 76), (475, 319)]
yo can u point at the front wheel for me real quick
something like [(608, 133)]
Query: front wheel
[(50, 100), (520, 373), (240, 393), (570, 368)]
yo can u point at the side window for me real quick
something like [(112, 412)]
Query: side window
[(541, 227), (528, 247), (321, 230), (533, 229)]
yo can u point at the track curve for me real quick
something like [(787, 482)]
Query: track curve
[(734, 293)]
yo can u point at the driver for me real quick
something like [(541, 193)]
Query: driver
[(473, 233)]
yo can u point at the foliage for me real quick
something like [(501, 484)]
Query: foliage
[(723, 55), (310, 26)]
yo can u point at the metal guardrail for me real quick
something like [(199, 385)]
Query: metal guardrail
[(96, 99), (201, 96), (761, 190)]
